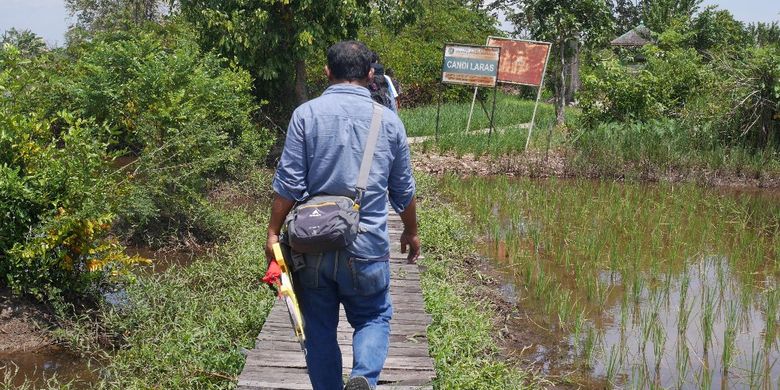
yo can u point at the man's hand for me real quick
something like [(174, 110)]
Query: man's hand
[(269, 247), (279, 209), (413, 243)]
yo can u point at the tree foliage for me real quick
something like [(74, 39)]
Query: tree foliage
[(273, 39), (627, 14), (569, 25), (658, 15), (415, 53), (109, 15), (25, 41)]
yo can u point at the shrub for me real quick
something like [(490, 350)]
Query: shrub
[(55, 202), (742, 104), (615, 91), (181, 118)]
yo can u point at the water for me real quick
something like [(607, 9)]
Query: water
[(40, 365), (655, 319), (37, 367), (652, 286)]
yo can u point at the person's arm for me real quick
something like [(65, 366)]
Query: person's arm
[(279, 209), (289, 182), (409, 236), (401, 189)]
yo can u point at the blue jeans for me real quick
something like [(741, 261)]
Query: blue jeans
[(363, 287)]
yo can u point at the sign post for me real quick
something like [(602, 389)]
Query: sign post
[(523, 62), (470, 65)]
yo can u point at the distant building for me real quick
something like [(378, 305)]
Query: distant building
[(634, 38), (630, 43)]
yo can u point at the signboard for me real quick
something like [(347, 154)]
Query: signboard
[(470, 65), (522, 62)]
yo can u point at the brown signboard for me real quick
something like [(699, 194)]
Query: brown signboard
[(470, 65), (522, 62)]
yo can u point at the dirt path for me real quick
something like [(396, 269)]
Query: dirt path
[(20, 325), (557, 163)]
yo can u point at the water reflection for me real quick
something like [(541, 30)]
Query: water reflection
[(676, 337)]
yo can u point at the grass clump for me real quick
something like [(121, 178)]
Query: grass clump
[(510, 111)]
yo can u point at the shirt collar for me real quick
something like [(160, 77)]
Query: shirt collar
[(348, 88)]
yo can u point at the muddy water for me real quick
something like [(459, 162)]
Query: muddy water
[(647, 342), (650, 286), (37, 367)]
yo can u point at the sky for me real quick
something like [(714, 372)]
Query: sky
[(49, 19)]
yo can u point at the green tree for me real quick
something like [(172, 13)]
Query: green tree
[(107, 15), (28, 44), (415, 52), (570, 26), (658, 15), (273, 39), (764, 34), (627, 14), (716, 29)]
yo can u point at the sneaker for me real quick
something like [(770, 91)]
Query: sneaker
[(357, 383)]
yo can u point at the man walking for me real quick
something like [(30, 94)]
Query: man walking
[(322, 155)]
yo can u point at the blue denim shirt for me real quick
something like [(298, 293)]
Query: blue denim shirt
[(322, 155)]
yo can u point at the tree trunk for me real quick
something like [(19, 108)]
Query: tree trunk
[(574, 71), (301, 95), (560, 95)]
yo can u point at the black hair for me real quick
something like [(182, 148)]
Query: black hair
[(349, 60), (379, 70)]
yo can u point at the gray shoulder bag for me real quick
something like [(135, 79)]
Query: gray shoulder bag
[(328, 222)]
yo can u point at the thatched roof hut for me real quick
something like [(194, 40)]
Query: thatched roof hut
[(636, 37)]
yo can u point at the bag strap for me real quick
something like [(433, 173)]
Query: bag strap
[(368, 153)]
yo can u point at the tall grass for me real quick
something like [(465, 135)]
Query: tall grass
[(453, 117), (654, 148)]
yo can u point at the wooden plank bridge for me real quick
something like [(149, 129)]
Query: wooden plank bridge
[(277, 361)]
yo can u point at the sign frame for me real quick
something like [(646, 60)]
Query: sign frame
[(494, 85), (546, 59), (495, 82), (539, 87)]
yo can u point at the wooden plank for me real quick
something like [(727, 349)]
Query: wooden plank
[(277, 361), (297, 360), (297, 378)]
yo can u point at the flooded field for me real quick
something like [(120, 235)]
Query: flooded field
[(650, 286)]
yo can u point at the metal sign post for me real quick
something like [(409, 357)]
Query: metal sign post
[(438, 111), (471, 111), (493, 114), (536, 105)]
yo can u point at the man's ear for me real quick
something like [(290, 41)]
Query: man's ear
[(327, 72), (370, 74)]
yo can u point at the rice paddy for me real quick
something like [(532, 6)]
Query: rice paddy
[(651, 286)]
